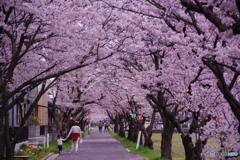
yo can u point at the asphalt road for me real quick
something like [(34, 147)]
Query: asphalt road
[(99, 146)]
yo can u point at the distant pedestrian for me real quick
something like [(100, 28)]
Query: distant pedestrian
[(59, 143), (106, 125), (75, 132), (100, 125)]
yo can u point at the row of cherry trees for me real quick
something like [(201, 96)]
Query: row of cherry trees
[(184, 61), (41, 41), (171, 57)]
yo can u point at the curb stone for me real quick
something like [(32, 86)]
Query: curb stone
[(50, 156)]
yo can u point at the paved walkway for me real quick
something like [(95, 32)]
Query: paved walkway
[(98, 146)]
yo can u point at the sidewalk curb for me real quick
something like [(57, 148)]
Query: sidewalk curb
[(49, 155)]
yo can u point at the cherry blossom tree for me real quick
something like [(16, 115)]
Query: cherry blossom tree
[(222, 57), (75, 97)]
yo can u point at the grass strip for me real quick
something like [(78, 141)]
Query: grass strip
[(141, 151)]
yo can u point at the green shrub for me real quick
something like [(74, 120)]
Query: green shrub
[(23, 146), (54, 150), (40, 145)]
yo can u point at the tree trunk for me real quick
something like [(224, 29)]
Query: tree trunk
[(148, 140), (133, 132), (188, 147), (147, 132), (116, 128), (121, 131), (7, 144), (2, 137), (10, 153), (116, 124), (9, 147), (191, 152), (130, 132), (135, 135), (10, 143), (166, 143), (199, 147)]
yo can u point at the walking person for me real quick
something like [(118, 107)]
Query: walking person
[(100, 125), (106, 125), (59, 143), (75, 132)]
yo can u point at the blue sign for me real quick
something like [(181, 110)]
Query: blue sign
[(232, 154)]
